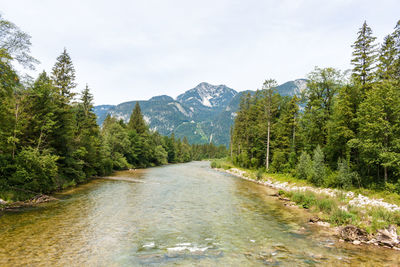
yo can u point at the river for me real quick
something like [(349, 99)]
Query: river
[(183, 214)]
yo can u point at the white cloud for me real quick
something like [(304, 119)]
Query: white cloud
[(129, 50)]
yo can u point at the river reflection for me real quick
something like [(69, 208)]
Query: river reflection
[(184, 214)]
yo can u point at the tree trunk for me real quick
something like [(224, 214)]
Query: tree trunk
[(385, 173), (294, 138), (267, 156)]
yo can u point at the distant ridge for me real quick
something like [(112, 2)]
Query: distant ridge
[(204, 113)]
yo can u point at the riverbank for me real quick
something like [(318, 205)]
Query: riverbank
[(353, 217), (43, 198), (38, 199)]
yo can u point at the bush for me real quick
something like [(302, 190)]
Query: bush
[(318, 171), (340, 217), (345, 176), (35, 171), (254, 162), (259, 173), (243, 160), (279, 161), (326, 205), (303, 169), (305, 199), (213, 164), (160, 155)]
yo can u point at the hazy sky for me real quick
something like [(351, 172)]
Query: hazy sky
[(130, 50)]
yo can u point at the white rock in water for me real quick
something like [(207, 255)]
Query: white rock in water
[(2, 202), (356, 242)]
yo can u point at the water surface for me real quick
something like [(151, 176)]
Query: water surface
[(184, 214)]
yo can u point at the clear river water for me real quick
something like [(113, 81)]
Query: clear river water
[(183, 214)]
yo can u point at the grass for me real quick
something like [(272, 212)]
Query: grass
[(221, 164), (335, 210)]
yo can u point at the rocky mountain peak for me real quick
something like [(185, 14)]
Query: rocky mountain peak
[(208, 95)]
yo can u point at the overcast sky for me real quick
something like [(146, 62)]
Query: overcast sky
[(131, 50)]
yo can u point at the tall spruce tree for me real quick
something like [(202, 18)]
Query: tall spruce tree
[(136, 121), (396, 37), (387, 59), (63, 75), (364, 57)]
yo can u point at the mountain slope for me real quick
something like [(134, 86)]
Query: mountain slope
[(203, 114)]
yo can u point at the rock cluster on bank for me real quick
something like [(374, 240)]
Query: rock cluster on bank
[(356, 201), (384, 237)]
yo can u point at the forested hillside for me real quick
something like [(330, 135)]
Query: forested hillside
[(349, 132), (49, 138), (203, 114)]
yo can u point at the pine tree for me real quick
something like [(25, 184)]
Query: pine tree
[(136, 121), (364, 57), (341, 127), (87, 100), (396, 37), (387, 59), (41, 104), (88, 135), (63, 75)]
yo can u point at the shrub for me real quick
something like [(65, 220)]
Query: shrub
[(254, 162), (326, 205), (340, 217), (318, 171), (259, 173), (35, 171), (243, 160), (281, 192), (279, 161), (304, 199), (213, 164), (160, 155), (303, 169), (345, 176)]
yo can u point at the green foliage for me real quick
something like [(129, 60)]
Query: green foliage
[(364, 57), (136, 121), (341, 217), (345, 177), (279, 162), (318, 171), (15, 44), (63, 75), (304, 167), (305, 199), (259, 173), (35, 171), (160, 155)]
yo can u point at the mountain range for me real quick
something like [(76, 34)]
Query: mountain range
[(202, 114)]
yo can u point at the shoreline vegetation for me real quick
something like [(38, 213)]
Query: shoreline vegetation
[(353, 217)]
